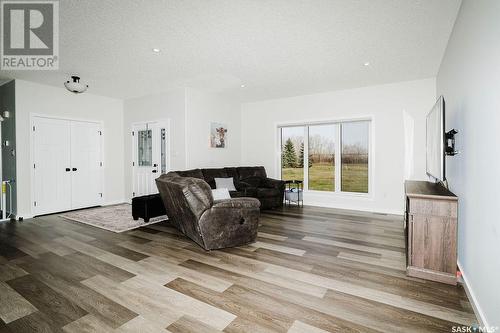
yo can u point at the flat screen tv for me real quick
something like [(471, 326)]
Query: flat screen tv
[(435, 149)]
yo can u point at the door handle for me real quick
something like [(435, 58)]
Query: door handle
[(154, 171), (74, 169), (68, 169)]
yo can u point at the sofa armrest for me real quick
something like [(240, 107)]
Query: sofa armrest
[(274, 183), (237, 203), (230, 222)]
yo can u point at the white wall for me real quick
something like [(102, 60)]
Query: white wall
[(202, 109), (385, 104), (190, 112), (169, 105), (469, 79), (47, 100)]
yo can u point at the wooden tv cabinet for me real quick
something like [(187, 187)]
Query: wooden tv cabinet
[(431, 232)]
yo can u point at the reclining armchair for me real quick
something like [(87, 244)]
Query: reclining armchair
[(211, 224)]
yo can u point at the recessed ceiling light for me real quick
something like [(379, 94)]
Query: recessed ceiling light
[(366, 63), (155, 50), (242, 86)]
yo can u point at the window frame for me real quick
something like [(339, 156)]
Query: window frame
[(338, 155)]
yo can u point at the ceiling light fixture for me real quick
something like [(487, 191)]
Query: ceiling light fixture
[(366, 64), (155, 50), (75, 86), (242, 86)]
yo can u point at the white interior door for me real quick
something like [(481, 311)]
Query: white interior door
[(52, 165), (150, 152), (86, 164)]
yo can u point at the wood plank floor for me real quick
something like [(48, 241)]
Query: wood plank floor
[(311, 270)]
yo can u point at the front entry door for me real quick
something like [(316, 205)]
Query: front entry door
[(150, 156)]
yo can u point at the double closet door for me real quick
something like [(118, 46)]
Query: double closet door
[(67, 165)]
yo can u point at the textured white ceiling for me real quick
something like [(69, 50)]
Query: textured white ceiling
[(275, 48)]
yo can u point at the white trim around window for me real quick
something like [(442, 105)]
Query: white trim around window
[(338, 155)]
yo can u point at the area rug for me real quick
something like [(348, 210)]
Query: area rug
[(116, 218)]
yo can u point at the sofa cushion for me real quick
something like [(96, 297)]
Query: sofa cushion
[(194, 173), (253, 181), (232, 172), (238, 194), (238, 203), (250, 192), (247, 172), (210, 174), (267, 192)]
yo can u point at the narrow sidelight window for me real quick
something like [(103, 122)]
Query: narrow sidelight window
[(355, 147), (292, 153)]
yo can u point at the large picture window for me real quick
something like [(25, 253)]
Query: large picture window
[(329, 157)]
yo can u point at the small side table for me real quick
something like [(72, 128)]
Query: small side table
[(295, 197)]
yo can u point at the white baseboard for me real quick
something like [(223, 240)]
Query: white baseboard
[(24, 216), (107, 203), (361, 209), (115, 202), (483, 322)]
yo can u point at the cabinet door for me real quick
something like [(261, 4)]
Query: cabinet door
[(433, 243), (51, 158), (86, 182)]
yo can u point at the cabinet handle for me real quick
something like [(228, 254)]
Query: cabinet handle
[(68, 169), (412, 223), (74, 169)]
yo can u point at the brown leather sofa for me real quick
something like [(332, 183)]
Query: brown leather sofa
[(249, 182), (211, 224)]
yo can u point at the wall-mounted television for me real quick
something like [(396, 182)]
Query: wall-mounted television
[(435, 138)]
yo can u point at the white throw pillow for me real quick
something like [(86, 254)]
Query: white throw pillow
[(225, 183), (221, 194)]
